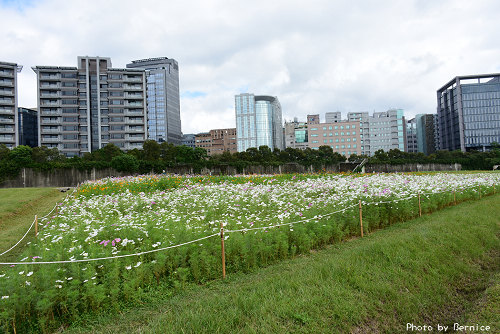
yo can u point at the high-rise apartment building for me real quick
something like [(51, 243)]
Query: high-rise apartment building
[(163, 99), (258, 122), (82, 109), (27, 127), (425, 133), (8, 104), (468, 113)]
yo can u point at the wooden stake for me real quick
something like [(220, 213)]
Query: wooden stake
[(36, 226), (480, 192), (454, 198), (222, 251), (361, 218), (419, 206)]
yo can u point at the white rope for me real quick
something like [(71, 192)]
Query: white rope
[(33, 223), (111, 257), (25, 234)]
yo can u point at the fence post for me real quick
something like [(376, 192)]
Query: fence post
[(361, 218), (36, 226), (419, 206), (454, 198), (479, 191), (222, 251)]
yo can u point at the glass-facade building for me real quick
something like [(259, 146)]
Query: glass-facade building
[(8, 104), (163, 99), (258, 122), (28, 127), (425, 133), (468, 113)]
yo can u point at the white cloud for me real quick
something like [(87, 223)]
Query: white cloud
[(316, 56)]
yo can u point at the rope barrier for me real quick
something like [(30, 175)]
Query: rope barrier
[(112, 257), (193, 241)]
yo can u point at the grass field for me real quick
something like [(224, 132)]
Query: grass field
[(18, 206), (439, 269)]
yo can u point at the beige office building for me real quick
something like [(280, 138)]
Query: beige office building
[(8, 104), (343, 137)]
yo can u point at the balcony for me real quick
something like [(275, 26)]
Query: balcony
[(134, 129), (51, 130), (6, 120), (8, 92), (7, 101), (50, 121), (135, 121), (9, 83), (50, 76), (133, 79), (6, 129), (50, 103), (6, 139), (133, 104), (47, 85), (134, 96), (132, 87), (6, 111), (51, 94), (51, 139), (6, 73)]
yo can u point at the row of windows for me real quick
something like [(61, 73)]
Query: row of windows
[(336, 127)]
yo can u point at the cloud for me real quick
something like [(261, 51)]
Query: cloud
[(316, 57)]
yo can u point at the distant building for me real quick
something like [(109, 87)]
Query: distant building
[(188, 140), (468, 113), (296, 134), (386, 131), (411, 136), (217, 141), (82, 109), (8, 104), (333, 117), (258, 122), (163, 99), (28, 127), (343, 137), (425, 133)]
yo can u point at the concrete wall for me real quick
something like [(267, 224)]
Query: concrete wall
[(71, 177)]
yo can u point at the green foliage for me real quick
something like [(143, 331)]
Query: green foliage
[(21, 155), (125, 163)]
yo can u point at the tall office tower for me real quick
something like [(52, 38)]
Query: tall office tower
[(258, 122), (163, 103), (411, 136), (296, 134), (468, 113), (386, 131), (82, 109), (8, 104), (333, 117), (27, 127), (425, 133)]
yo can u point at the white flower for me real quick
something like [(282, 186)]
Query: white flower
[(58, 286), (138, 264), (5, 297), (69, 278), (28, 283), (128, 267), (29, 274), (21, 272)]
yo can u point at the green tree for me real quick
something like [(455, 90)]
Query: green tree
[(4, 152), (21, 155), (152, 150), (125, 163)]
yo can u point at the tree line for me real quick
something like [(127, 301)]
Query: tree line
[(157, 157)]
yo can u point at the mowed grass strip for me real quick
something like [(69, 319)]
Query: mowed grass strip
[(428, 271), (18, 207)]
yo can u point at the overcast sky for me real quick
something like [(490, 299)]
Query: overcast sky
[(316, 56)]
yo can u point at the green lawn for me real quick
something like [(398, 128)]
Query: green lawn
[(18, 207), (439, 269)]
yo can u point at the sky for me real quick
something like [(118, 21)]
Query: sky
[(316, 56)]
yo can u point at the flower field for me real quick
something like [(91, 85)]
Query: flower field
[(116, 236)]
